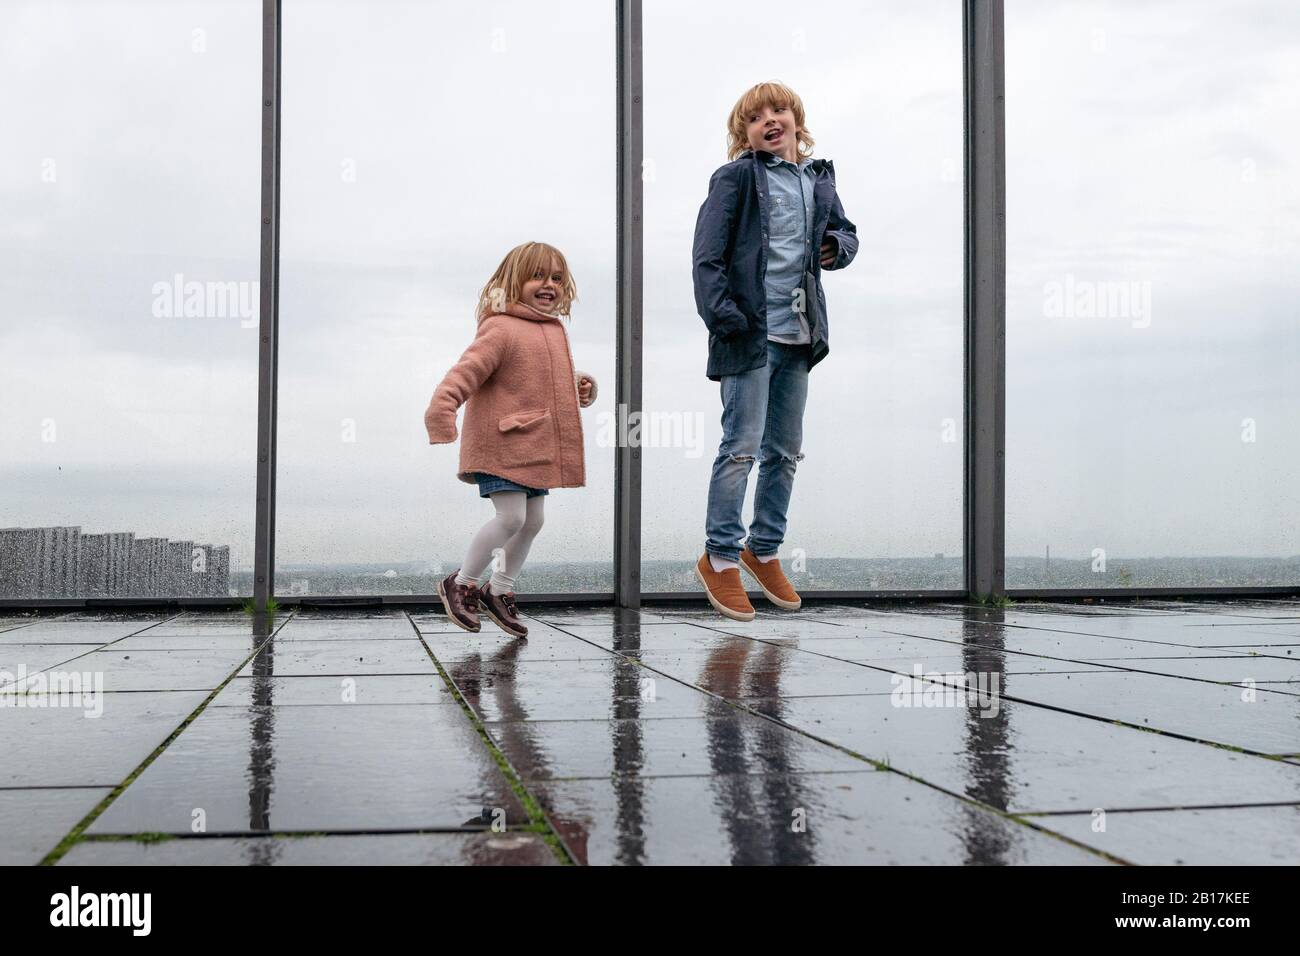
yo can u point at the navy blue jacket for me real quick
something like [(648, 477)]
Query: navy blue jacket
[(730, 260)]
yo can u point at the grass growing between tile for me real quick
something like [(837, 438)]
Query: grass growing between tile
[(75, 835), (536, 814)]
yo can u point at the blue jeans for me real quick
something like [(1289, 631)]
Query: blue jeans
[(762, 419)]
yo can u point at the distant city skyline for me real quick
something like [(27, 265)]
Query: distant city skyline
[(64, 562)]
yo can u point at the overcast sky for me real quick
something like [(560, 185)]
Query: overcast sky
[(1149, 144)]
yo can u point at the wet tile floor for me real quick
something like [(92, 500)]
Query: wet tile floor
[(1151, 732)]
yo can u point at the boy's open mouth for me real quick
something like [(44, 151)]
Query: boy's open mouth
[(773, 134)]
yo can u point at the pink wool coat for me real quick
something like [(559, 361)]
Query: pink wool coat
[(520, 392)]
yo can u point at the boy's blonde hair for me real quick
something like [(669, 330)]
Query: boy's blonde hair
[(771, 94), (521, 263)]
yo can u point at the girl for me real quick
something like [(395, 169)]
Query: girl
[(523, 431)]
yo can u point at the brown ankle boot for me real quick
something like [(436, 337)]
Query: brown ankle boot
[(501, 608), (460, 601)]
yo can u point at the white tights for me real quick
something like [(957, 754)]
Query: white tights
[(512, 530)]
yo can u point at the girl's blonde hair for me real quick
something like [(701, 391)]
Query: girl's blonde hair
[(523, 262), (771, 94)]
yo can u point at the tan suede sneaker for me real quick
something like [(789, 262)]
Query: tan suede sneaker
[(725, 590), (776, 586)]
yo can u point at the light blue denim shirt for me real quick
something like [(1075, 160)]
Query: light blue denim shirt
[(790, 215)]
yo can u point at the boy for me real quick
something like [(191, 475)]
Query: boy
[(758, 289)]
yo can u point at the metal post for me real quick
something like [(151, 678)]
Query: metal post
[(985, 374), (630, 246), (268, 310)]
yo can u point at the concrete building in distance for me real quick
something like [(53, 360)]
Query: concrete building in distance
[(40, 562), (200, 555), (179, 578), (58, 558), (144, 576), (222, 579), (218, 577), (119, 562), (92, 569), (212, 575), (18, 562)]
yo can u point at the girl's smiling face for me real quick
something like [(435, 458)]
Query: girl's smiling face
[(542, 291), (772, 128)]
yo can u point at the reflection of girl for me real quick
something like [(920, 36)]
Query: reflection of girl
[(522, 428)]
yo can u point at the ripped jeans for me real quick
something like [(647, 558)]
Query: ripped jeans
[(762, 418)]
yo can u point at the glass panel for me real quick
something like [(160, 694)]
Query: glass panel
[(129, 192), (877, 500), (421, 143), (1153, 216)]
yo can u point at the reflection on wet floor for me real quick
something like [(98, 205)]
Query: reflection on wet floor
[(1151, 732)]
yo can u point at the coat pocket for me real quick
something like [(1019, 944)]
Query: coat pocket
[(527, 438)]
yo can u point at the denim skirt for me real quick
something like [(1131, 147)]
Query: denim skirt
[(490, 484)]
